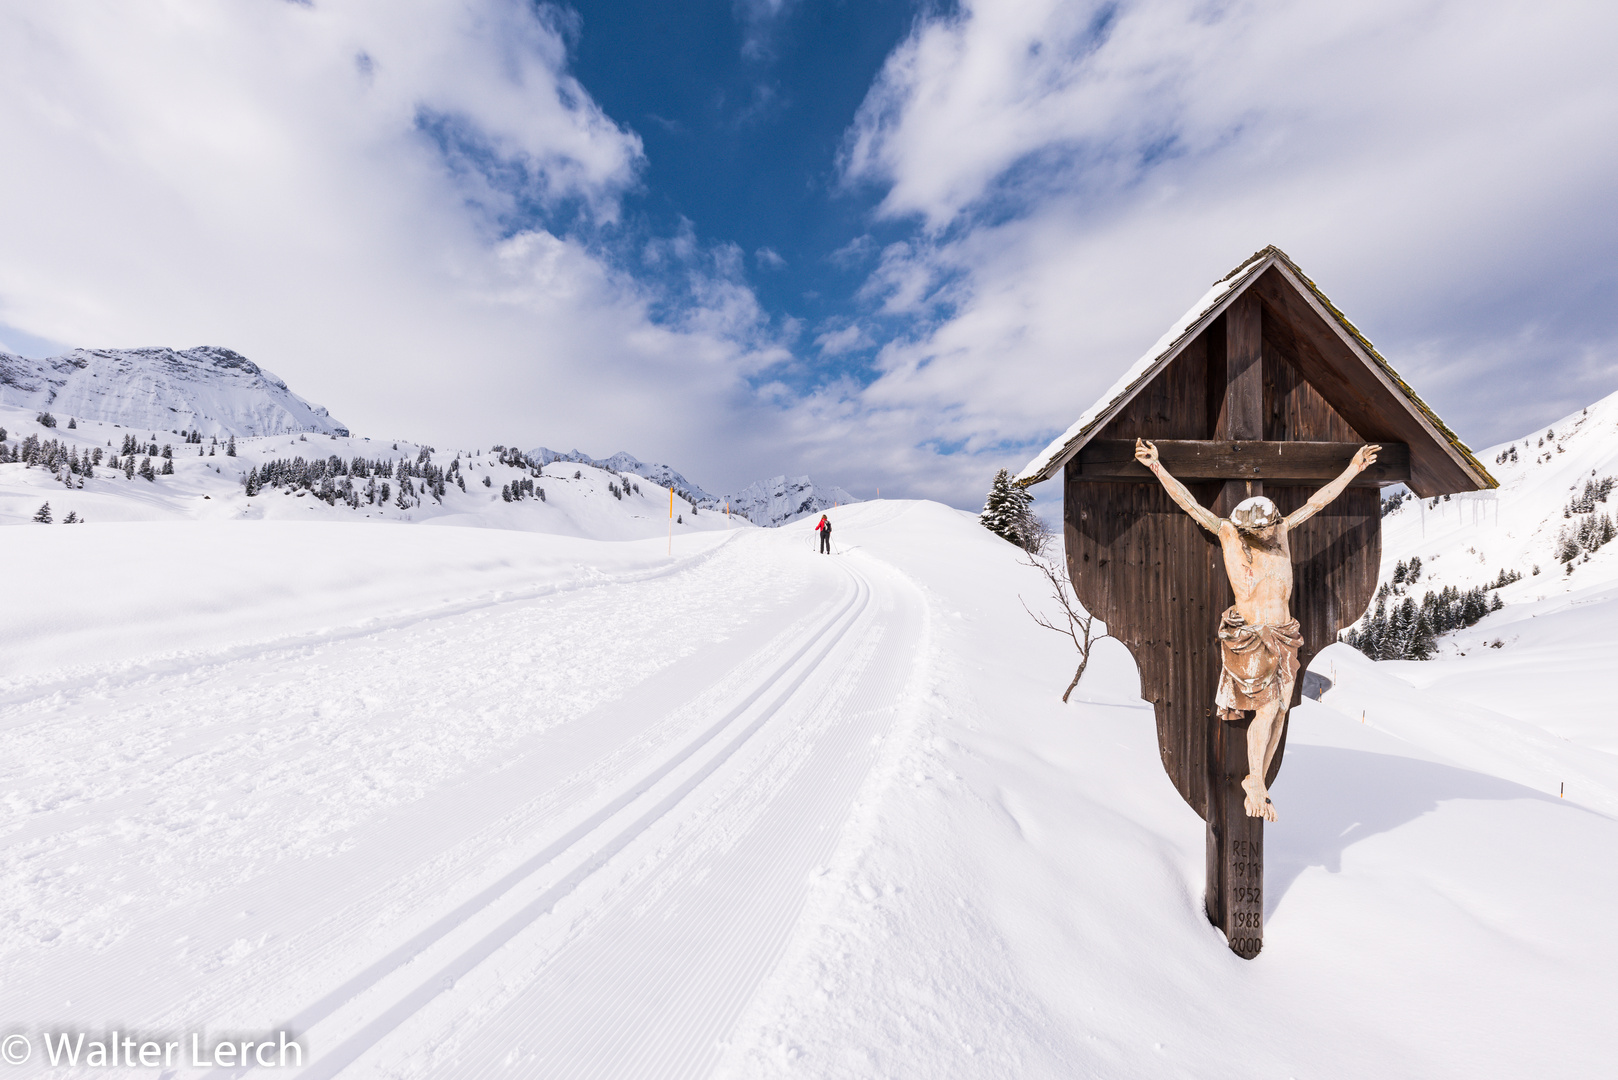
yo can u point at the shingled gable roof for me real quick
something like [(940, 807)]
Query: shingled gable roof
[(1465, 472)]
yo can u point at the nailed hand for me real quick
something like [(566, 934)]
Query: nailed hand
[(1364, 457), (1145, 452)]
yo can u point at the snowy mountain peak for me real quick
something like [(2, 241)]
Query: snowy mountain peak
[(781, 499), (775, 501), (210, 389)]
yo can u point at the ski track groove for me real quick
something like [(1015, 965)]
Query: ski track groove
[(107, 792), (331, 1062), (578, 788), (572, 1028)]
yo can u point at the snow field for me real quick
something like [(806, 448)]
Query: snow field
[(128, 597), (418, 798), (1021, 894), (528, 805), (209, 782)]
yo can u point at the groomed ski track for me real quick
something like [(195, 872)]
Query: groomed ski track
[(572, 883)]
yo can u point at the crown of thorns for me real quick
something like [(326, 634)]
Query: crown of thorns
[(1255, 513)]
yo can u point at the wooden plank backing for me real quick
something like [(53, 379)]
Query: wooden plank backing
[(1274, 462), (1293, 409), (1241, 411), (1157, 580), (1357, 393), (1173, 405)]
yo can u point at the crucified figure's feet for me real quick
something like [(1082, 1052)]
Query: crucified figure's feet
[(1258, 802)]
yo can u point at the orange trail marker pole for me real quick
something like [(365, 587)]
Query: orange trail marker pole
[(671, 519)]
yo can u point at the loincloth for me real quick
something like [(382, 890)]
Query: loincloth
[(1259, 664)]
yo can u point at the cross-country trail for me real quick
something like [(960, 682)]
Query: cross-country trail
[(558, 835)]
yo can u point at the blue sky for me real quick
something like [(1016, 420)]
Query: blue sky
[(743, 110), (890, 244), (742, 120)]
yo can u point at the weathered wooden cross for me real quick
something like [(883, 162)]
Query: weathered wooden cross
[(1264, 387)]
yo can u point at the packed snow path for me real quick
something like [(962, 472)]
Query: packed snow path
[(462, 802), (565, 836)]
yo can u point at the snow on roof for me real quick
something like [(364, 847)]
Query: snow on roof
[(1223, 291)]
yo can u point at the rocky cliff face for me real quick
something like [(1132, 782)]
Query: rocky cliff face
[(208, 389)]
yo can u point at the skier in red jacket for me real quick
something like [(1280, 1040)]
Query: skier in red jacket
[(824, 529)]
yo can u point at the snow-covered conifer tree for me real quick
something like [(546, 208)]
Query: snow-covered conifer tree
[(43, 514), (1006, 510), (230, 447)]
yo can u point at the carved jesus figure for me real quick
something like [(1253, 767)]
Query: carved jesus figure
[(1258, 636)]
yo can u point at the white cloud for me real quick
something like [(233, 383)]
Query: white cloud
[(273, 177), (843, 339), (1080, 172), (769, 258), (759, 19)]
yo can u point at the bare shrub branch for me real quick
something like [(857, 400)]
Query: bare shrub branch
[(1080, 623)]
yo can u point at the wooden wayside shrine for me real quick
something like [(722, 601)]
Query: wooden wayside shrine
[(1263, 388)]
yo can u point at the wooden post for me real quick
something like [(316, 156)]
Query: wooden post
[(1235, 842), (1235, 852)]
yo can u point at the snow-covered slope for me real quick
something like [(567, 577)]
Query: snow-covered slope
[(1467, 540), (332, 478), (622, 462), (212, 390), (1536, 675)]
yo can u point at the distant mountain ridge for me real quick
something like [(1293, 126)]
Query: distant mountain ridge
[(771, 502), (219, 392), (781, 499), (623, 462), (209, 389)]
